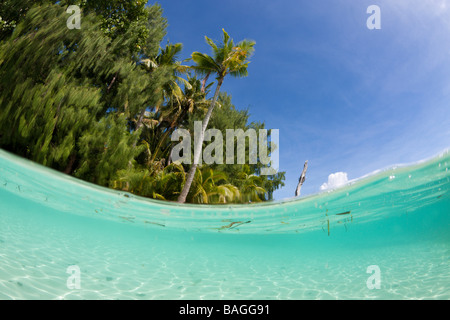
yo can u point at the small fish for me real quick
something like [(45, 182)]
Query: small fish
[(233, 224), (155, 223), (130, 219)]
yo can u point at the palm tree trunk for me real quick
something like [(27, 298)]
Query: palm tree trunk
[(138, 126), (112, 82), (166, 134), (140, 119), (204, 82), (69, 167), (198, 146)]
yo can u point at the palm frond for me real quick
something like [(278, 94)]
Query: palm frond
[(240, 72), (212, 44), (149, 64), (185, 82), (204, 63)]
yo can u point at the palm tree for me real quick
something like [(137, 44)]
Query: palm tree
[(174, 114), (250, 186), (156, 181), (211, 186), (170, 90), (228, 58)]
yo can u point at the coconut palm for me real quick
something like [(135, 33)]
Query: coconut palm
[(157, 181), (228, 59), (250, 186), (211, 186), (175, 113), (170, 91)]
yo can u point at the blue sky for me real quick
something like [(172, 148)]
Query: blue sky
[(344, 97)]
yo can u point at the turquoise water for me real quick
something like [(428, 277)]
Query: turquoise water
[(317, 247)]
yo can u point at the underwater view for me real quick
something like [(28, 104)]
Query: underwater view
[(325, 246), (242, 150)]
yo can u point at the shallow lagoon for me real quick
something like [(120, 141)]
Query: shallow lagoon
[(318, 247)]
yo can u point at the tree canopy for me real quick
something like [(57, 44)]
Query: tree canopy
[(102, 102)]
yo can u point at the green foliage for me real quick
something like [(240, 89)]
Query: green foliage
[(12, 12), (101, 103), (105, 148), (58, 86), (211, 186), (156, 181), (246, 177), (228, 58), (42, 104), (143, 24)]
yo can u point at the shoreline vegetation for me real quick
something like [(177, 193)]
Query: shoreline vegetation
[(101, 102)]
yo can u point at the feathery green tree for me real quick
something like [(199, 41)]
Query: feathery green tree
[(65, 94), (100, 103)]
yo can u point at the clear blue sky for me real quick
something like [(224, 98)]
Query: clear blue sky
[(344, 97)]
